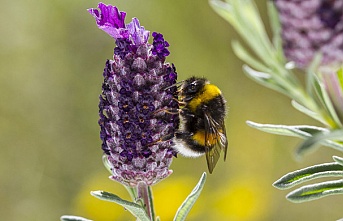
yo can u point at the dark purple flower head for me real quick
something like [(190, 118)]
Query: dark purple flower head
[(312, 26), (136, 129)]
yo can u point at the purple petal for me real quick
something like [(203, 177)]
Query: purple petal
[(138, 33), (160, 46), (110, 20)]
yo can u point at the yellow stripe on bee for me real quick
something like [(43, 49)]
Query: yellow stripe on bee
[(209, 92), (199, 137)]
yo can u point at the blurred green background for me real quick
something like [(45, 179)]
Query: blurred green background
[(52, 55)]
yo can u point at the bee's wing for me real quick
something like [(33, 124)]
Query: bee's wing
[(214, 129)]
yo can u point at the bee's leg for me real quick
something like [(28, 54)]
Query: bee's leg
[(162, 139), (167, 137), (167, 110), (183, 134), (177, 135), (181, 103), (186, 112)]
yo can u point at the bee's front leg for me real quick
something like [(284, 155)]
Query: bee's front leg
[(185, 112), (183, 134)]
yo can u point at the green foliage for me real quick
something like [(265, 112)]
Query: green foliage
[(267, 66), (134, 208), (331, 138), (186, 206), (316, 191), (318, 171), (140, 210), (73, 218), (338, 159)]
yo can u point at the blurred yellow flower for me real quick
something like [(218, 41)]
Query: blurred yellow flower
[(242, 199), (170, 193)]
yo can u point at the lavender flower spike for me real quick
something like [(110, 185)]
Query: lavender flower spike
[(136, 130), (309, 27)]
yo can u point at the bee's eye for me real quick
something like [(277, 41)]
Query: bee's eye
[(192, 87)]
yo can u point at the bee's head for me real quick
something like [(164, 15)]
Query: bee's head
[(192, 86)]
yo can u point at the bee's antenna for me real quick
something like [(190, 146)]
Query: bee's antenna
[(173, 85)]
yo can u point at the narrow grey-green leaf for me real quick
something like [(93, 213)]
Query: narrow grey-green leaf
[(325, 100), (106, 163), (302, 131), (73, 218), (263, 78), (257, 75), (315, 63), (338, 159), (308, 112), (245, 56), (317, 171), (316, 191), (225, 10), (245, 18), (136, 210), (317, 139), (333, 144), (132, 192), (276, 28), (187, 205)]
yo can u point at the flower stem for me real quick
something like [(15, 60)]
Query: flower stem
[(144, 195)]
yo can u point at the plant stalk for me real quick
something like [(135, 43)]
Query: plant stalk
[(144, 195)]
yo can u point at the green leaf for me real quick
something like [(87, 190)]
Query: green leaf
[(302, 131), (186, 206), (264, 79), (106, 163), (315, 63), (325, 100), (308, 112), (318, 139), (316, 191), (317, 171), (132, 192), (338, 159), (243, 15), (276, 29), (311, 73), (242, 54), (73, 218), (136, 210)]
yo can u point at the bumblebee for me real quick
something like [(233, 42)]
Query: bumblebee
[(202, 128)]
